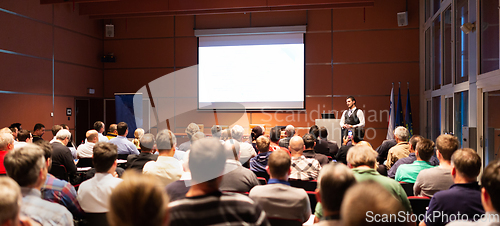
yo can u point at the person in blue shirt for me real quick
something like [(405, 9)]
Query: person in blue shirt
[(124, 145)]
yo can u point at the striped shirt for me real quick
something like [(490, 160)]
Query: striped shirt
[(304, 168), (216, 209)]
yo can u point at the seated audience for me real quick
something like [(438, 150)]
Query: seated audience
[(138, 133), (27, 166), (362, 206), (38, 132), (320, 146), (408, 172), (147, 145), (436, 179), (6, 145), (274, 137), (61, 154), (401, 149), (125, 147), (204, 203), (55, 129), (464, 196), (15, 131), (112, 131), (302, 168), (363, 161), (24, 137), (382, 151), (216, 132), (166, 167), (10, 204), (225, 134), (99, 127), (246, 150), (278, 198), (259, 162), (309, 151), (94, 193), (289, 132), (346, 145), (152, 202), (333, 147), (191, 129), (236, 177), (86, 150), (411, 158), (257, 131), (178, 189)]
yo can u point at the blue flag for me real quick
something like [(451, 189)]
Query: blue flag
[(129, 110), (399, 111), (408, 116)]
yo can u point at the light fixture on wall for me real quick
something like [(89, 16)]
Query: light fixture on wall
[(468, 27)]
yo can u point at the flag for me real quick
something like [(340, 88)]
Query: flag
[(408, 116), (129, 110), (399, 112), (390, 127)]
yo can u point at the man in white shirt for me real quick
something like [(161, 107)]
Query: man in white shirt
[(86, 150), (24, 137), (352, 118), (166, 168), (93, 194), (246, 149), (99, 127)]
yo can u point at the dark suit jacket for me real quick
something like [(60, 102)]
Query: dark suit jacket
[(322, 159), (342, 154), (383, 150), (61, 155), (334, 148), (138, 161), (322, 147)]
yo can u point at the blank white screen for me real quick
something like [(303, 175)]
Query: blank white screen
[(256, 71)]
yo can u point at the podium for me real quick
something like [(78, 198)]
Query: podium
[(333, 127)]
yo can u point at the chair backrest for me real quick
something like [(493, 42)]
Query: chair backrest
[(96, 219), (419, 205), (59, 171), (308, 185), (122, 156), (312, 200), (262, 174), (262, 180), (284, 222), (408, 187), (85, 162)]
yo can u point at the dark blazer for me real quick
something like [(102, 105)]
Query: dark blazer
[(138, 161), (322, 147), (322, 159), (61, 155), (334, 148), (342, 154)]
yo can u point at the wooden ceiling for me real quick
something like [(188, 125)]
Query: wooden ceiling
[(109, 9)]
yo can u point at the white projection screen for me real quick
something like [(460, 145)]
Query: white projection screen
[(251, 72)]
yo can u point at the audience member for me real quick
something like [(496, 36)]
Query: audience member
[(246, 150), (24, 137), (302, 168), (148, 147), (87, 149), (257, 131), (320, 146), (436, 179), (166, 167), (346, 145), (333, 147), (382, 151), (6, 145), (55, 129), (408, 172), (401, 149), (289, 132), (138, 133), (191, 129), (70, 145), (204, 203), (61, 154), (411, 158), (94, 193), (216, 132), (38, 132), (10, 204), (309, 151), (463, 197), (112, 131), (99, 127), (178, 189), (259, 162), (27, 166), (236, 177), (363, 161), (278, 198), (362, 206), (274, 137), (14, 132), (125, 147), (152, 202), (225, 134)]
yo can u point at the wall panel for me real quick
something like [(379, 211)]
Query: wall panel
[(74, 80), (135, 53), (76, 48), (68, 17), (283, 18), (142, 27), (25, 74), (29, 8), (216, 21), (131, 80)]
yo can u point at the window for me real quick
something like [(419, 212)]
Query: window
[(436, 117), (448, 126), (489, 36), (428, 59), (436, 52), (461, 113), (437, 4), (461, 42), (447, 46), (427, 9), (428, 122)]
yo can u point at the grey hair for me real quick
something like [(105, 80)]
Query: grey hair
[(165, 140), (63, 134), (10, 200), (290, 131), (191, 129), (206, 160), (401, 133), (237, 132), (197, 136), (24, 164), (5, 139)]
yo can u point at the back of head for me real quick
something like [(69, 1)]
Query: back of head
[(361, 203), (10, 201), (309, 140), (447, 145), (92, 134), (38, 126), (216, 131), (401, 133), (24, 164), (191, 129), (314, 130), (138, 133), (147, 142), (414, 140), (197, 136), (112, 128), (165, 140), (98, 125), (356, 135), (143, 192), (206, 160), (5, 140), (279, 163), (232, 149), (323, 132), (225, 134), (263, 143), (23, 135), (64, 126), (274, 134), (256, 132), (46, 147), (237, 132), (296, 144), (491, 182), (121, 128), (63, 134), (6, 130), (55, 129), (362, 155), (425, 149), (290, 131), (333, 181), (104, 156), (17, 125), (467, 162)]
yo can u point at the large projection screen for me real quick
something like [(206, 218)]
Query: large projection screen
[(258, 72)]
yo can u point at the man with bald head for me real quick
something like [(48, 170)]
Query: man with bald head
[(302, 168), (86, 150)]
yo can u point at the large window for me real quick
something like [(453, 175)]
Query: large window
[(461, 113), (436, 52), (447, 45), (461, 42), (489, 36), (436, 117), (448, 124), (428, 123), (428, 67)]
